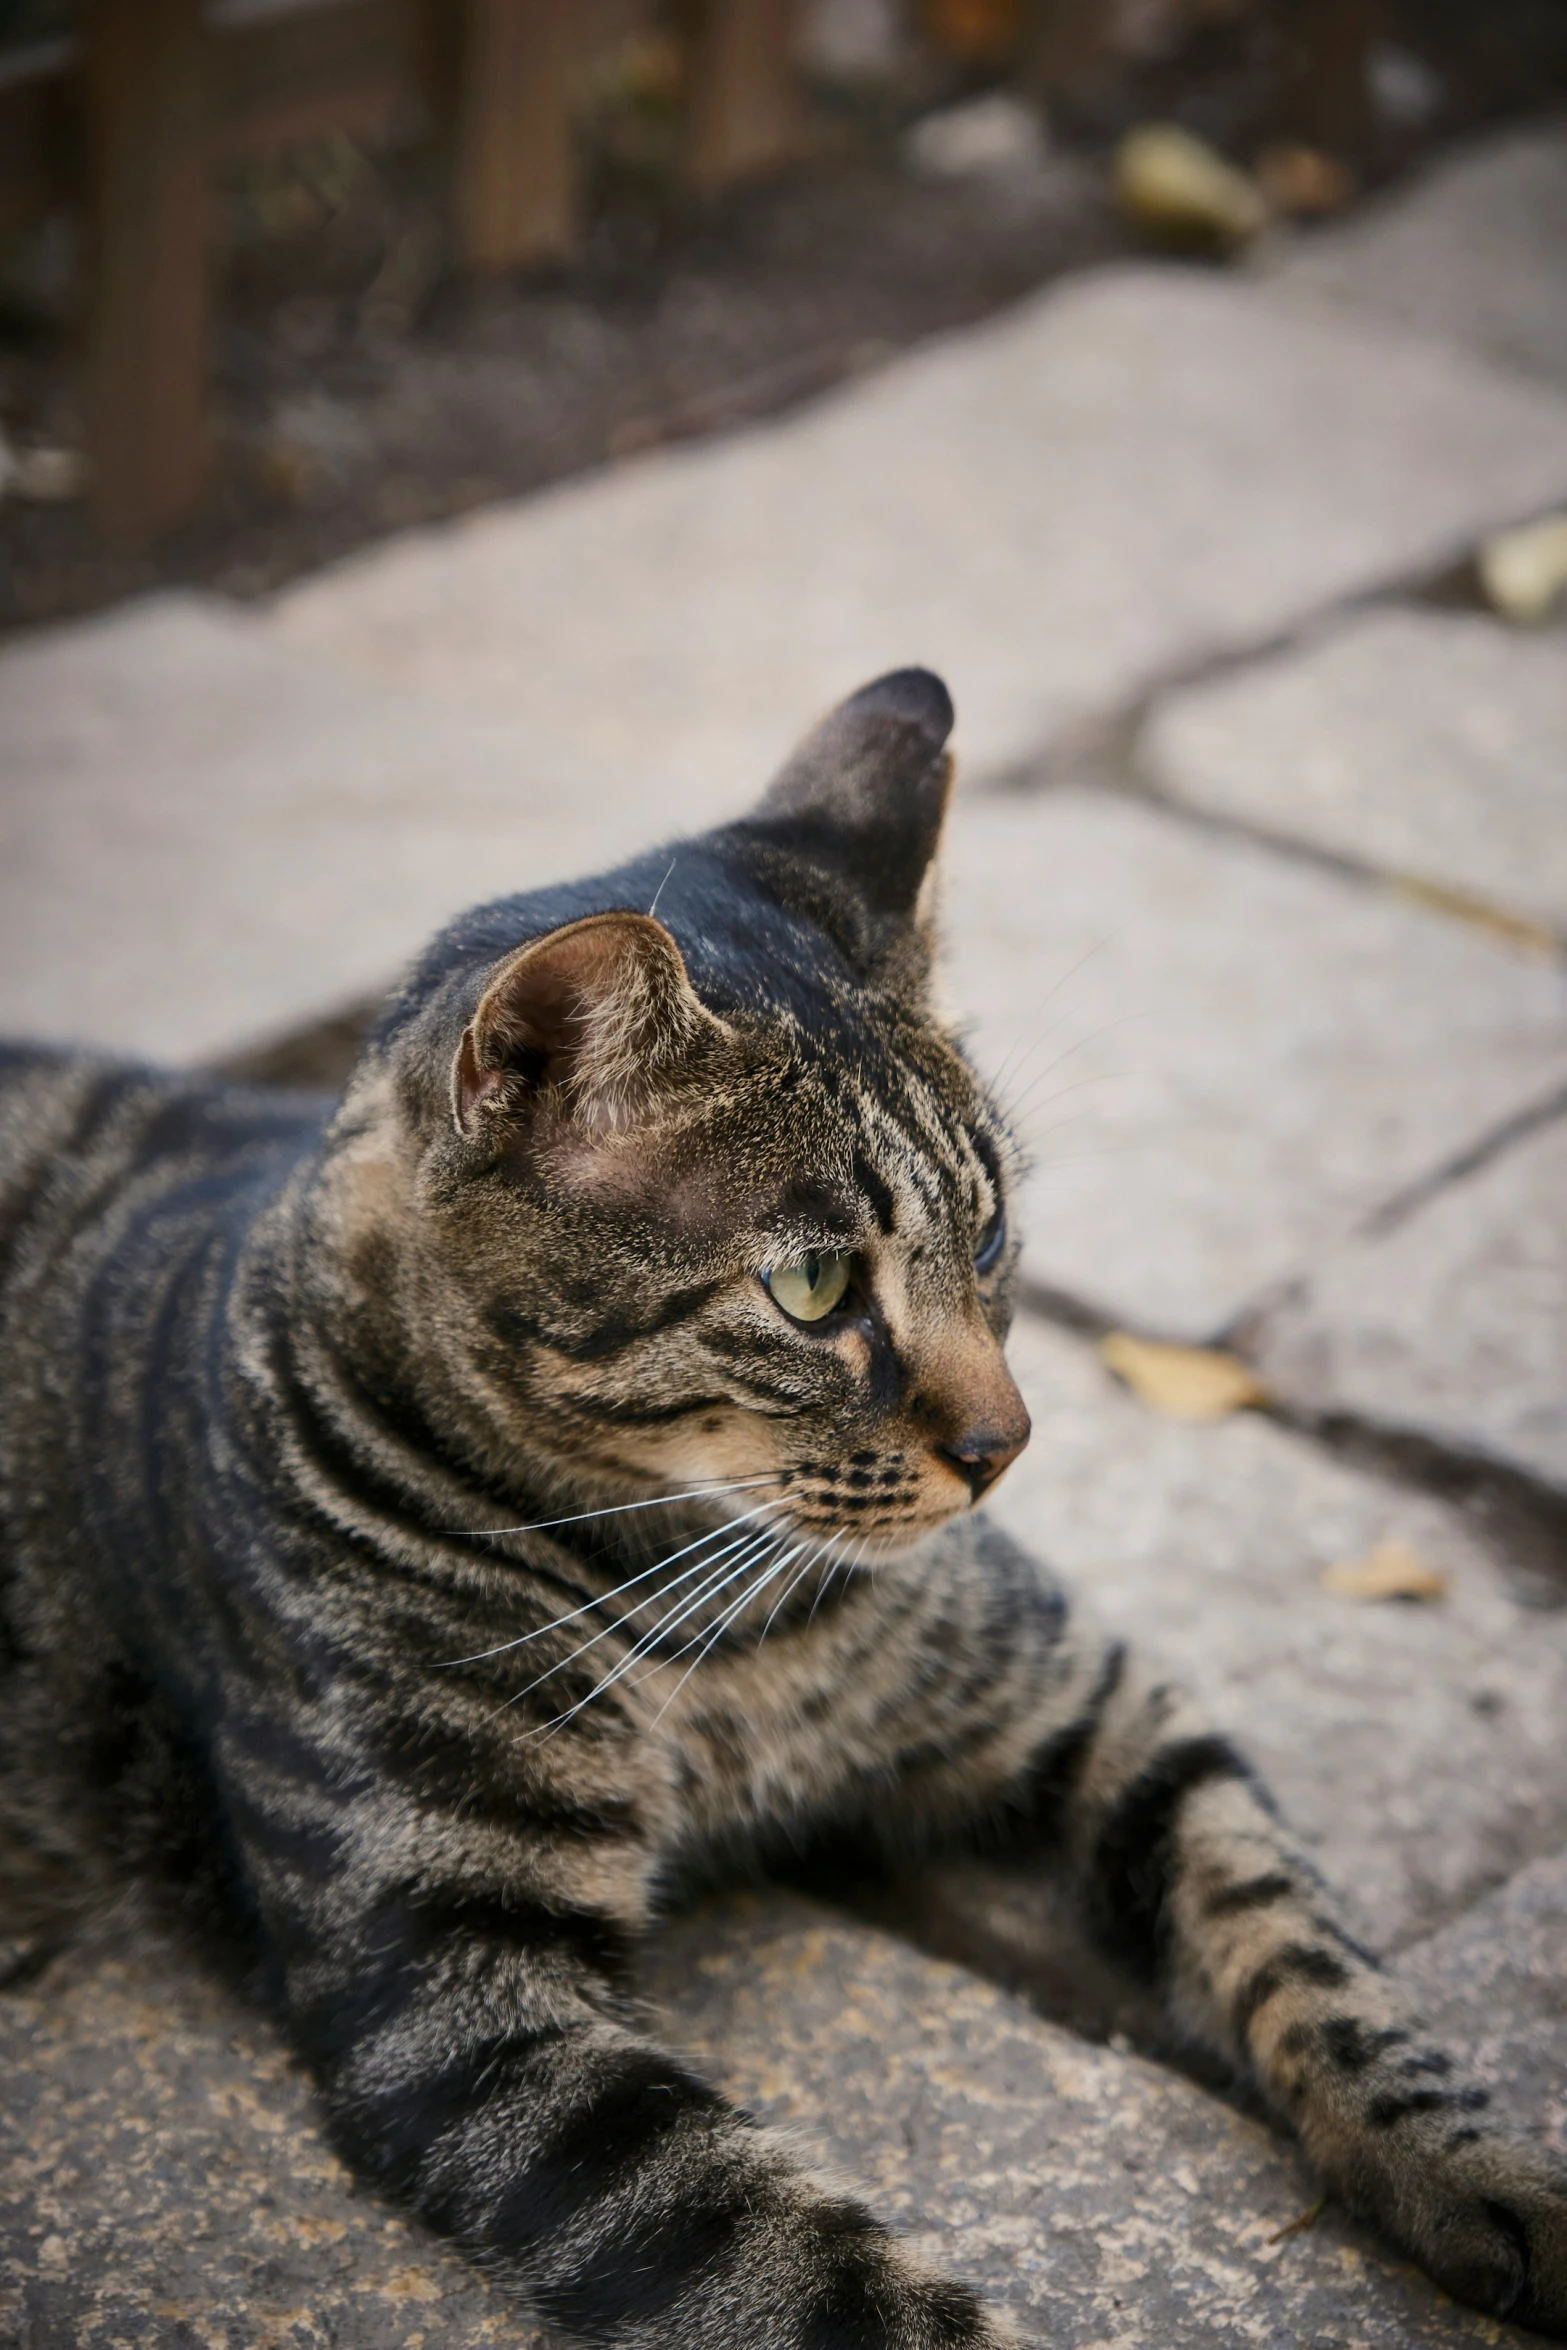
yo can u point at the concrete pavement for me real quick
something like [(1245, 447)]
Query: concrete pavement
[(1256, 905)]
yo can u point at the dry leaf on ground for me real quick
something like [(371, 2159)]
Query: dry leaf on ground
[(1180, 191), (1524, 571), (1303, 180), (1188, 1382), (1533, 938), (1392, 1570)]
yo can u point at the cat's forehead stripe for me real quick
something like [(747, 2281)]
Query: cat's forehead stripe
[(927, 1174)]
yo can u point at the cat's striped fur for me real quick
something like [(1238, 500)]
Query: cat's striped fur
[(325, 1441)]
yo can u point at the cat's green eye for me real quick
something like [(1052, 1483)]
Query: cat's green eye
[(987, 1254), (812, 1285)]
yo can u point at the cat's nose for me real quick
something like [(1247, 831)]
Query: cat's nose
[(981, 1452)]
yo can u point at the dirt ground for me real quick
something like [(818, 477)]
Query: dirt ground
[(360, 388)]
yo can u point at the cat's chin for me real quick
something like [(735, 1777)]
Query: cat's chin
[(897, 1542)]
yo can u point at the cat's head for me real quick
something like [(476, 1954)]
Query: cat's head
[(709, 1194)]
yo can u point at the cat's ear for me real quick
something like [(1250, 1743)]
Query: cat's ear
[(867, 789), (600, 1013)]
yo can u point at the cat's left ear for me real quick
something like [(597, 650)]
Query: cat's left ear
[(598, 1015), (866, 791)]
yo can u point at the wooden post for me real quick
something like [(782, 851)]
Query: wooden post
[(744, 111), (516, 194), (1070, 49), (1332, 102), (146, 105)]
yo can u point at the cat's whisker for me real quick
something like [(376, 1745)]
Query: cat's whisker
[(792, 1585), (708, 1591), (588, 1607), (779, 1567), (754, 1556), (715, 1571), (1023, 1110), (835, 1560), (615, 1509), (711, 1633), (1043, 1003), (853, 1565), (717, 1574), (1019, 1054), (823, 1550), (710, 1638), (1014, 1105)]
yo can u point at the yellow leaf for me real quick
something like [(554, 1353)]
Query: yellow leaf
[(1308, 2219), (1393, 1570), (1517, 929), (1524, 571), (1178, 189), (1188, 1382), (1303, 180)]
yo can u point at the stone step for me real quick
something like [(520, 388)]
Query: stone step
[(1474, 255), (1416, 1747), (164, 2181), (164, 2177), (1453, 1324), (205, 835), (1221, 1060), (1101, 2197), (1425, 744), (1139, 469), (218, 822), (1492, 1983)]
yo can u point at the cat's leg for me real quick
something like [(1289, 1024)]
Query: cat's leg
[(460, 1993), (1189, 1880)]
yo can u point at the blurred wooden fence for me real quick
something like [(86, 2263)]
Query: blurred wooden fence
[(131, 120)]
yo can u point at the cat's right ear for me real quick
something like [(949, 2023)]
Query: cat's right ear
[(598, 1015)]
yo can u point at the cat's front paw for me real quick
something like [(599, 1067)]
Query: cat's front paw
[(1486, 2215), (878, 2296)]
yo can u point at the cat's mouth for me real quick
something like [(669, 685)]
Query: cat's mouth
[(891, 1502), (872, 1536)]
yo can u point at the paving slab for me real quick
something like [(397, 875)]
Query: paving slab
[(1453, 1324), (1475, 255), (1134, 470), (163, 2175), (1428, 744), (205, 835), (1416, 1748), (1495, 1982), (164, 2179), (1102, 2198), (1222, 1059)]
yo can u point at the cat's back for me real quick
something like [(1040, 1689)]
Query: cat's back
[(124, 1193), (116, 1180), (82, 1134), (44, 1092)]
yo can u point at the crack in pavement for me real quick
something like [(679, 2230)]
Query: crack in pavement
[(1100, 738)]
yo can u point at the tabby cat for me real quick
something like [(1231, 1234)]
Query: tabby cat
[(447, 1518)]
